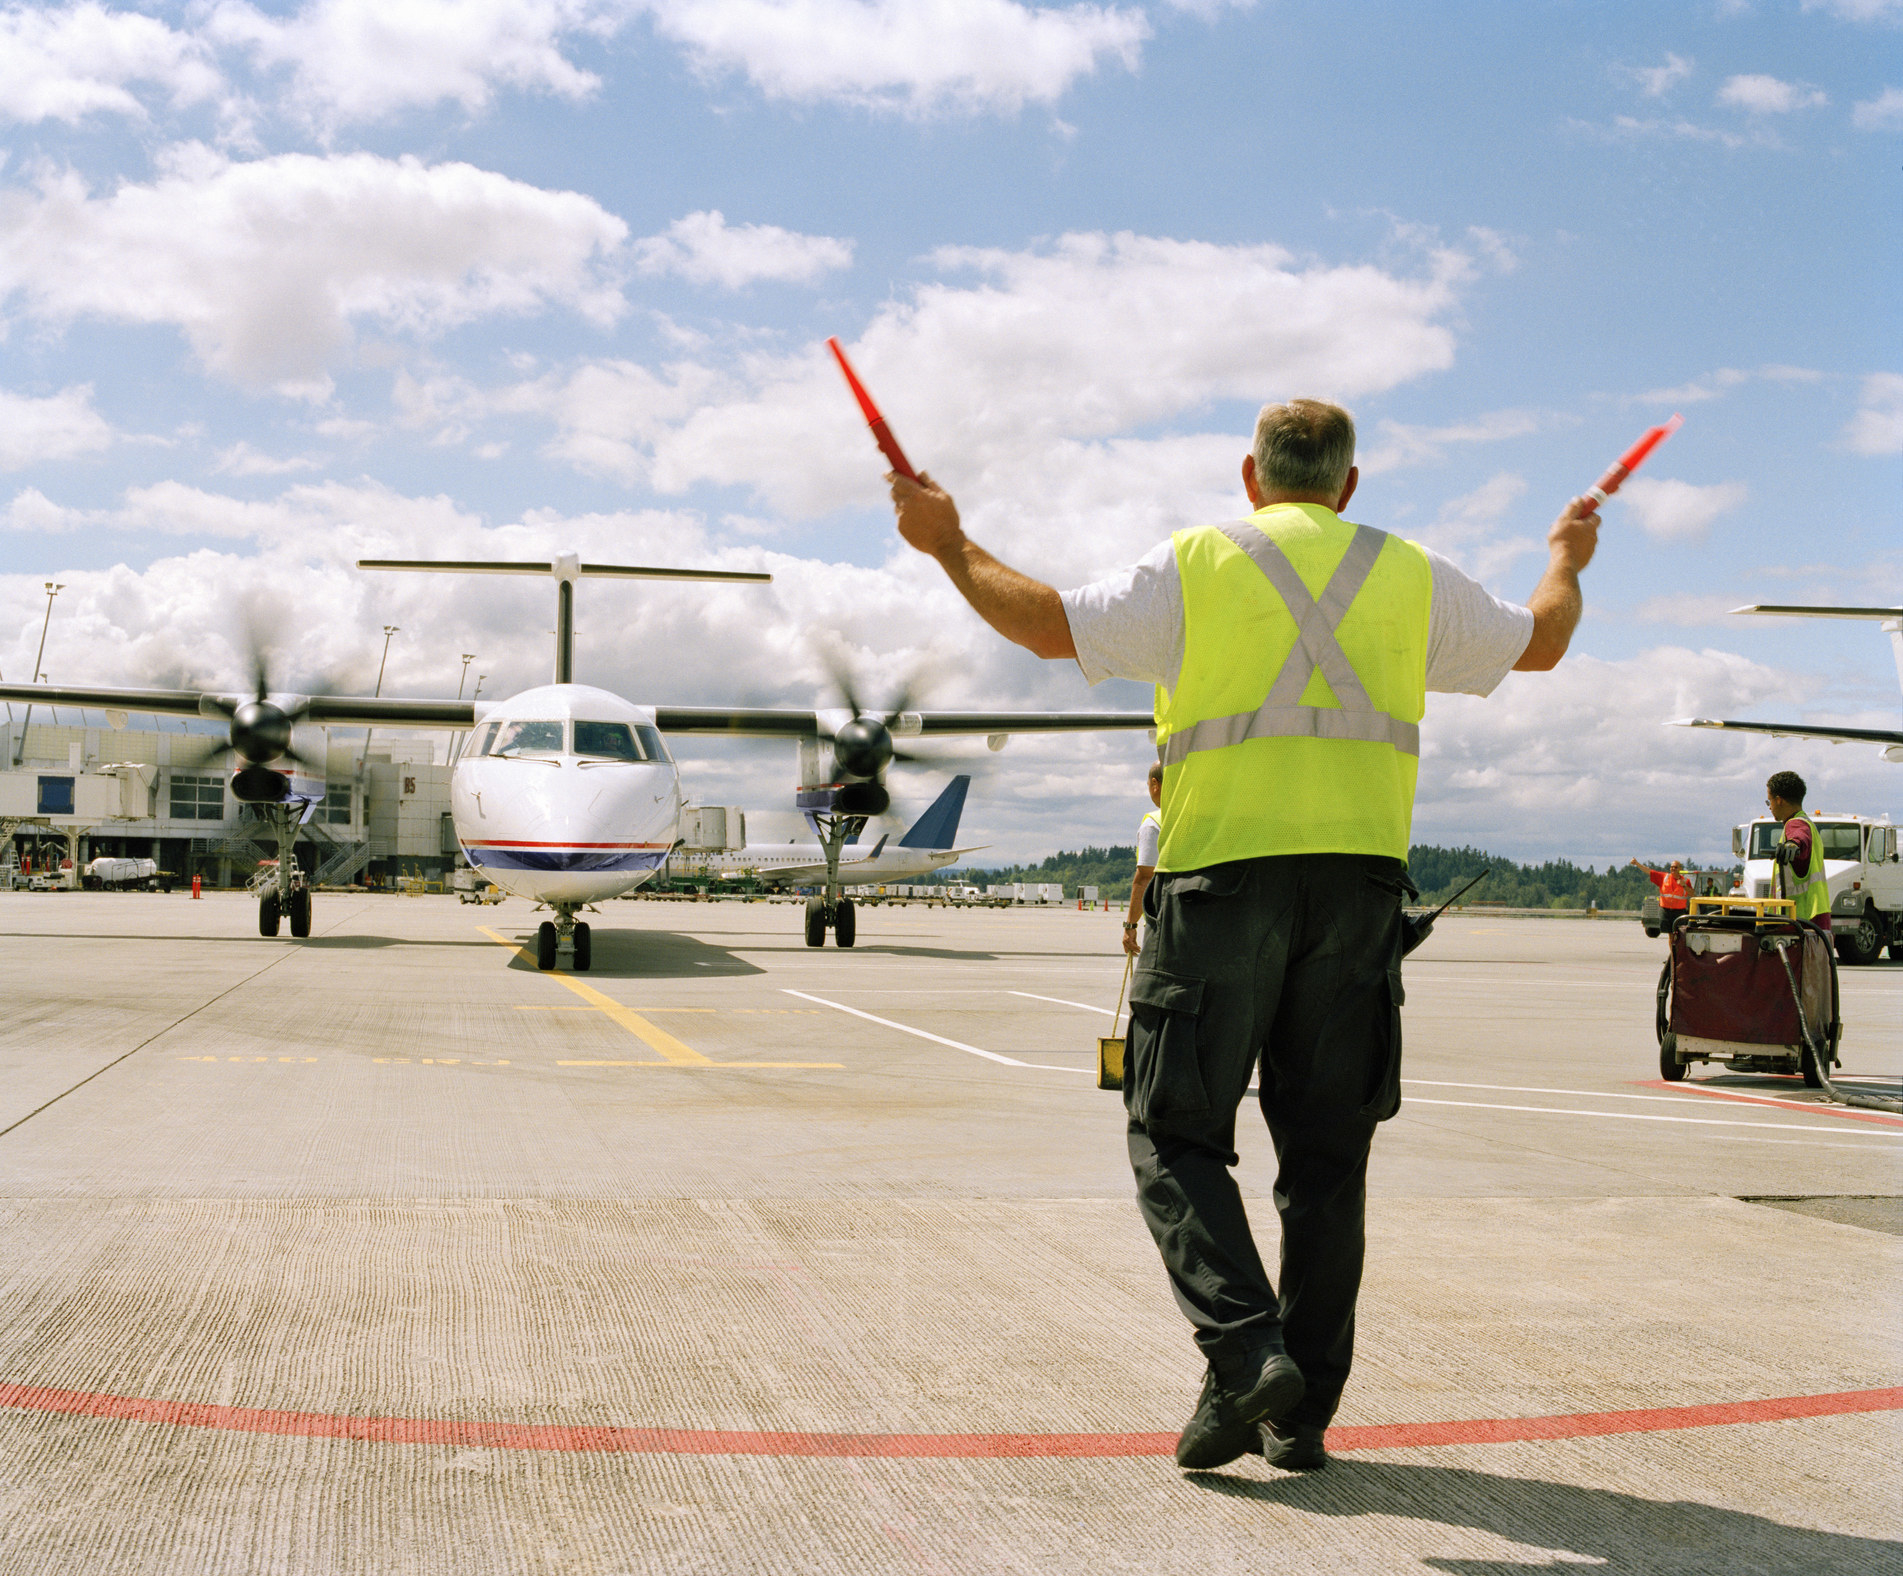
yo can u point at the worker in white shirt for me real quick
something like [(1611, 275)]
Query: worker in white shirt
[(1149, 835)]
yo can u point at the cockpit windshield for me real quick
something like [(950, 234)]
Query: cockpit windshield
[(529, 738), (619, 741), (608, 741)]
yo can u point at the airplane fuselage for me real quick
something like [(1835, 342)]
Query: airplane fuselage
[(566, 795)]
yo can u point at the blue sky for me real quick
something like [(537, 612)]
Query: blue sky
[(286, 285)]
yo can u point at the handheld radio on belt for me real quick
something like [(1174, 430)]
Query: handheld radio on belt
[(1415, 928)]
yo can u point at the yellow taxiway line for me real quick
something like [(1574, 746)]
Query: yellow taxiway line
[(676, 1053)]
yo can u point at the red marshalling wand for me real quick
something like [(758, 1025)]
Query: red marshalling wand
[(1631, 460), (881, 433)]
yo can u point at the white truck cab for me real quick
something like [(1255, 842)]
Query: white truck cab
[(1862, 867)]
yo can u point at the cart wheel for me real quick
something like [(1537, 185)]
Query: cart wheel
[(815, 922), (1807, 1064), (1662, 1017), (1671, 1069)]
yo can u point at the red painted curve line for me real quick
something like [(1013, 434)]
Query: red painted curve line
[(1817, 1107), (733, 1442)]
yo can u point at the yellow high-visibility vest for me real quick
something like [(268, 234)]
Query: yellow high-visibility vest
[(1813, 891), (1294, 727)]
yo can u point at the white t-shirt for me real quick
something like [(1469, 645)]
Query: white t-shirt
[(1130, 626), (1149, 835)]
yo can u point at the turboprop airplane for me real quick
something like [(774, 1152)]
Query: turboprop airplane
[(925, 846), (566, 794), (1891, 618)]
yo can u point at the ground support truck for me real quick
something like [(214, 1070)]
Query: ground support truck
[(1862, 867)]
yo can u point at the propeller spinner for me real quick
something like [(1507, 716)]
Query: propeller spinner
[(259, 733)]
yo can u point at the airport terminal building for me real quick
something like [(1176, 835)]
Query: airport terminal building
[(75, 792)]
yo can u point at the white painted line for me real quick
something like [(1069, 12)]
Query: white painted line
[(1647, 1116), (1584, 1094), (939, 1039), (1080, 1006)]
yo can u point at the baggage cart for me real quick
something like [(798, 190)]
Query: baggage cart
[(1749, 984)]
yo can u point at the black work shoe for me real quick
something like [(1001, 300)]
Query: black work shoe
[(1294, 1447), (1231, 1409)]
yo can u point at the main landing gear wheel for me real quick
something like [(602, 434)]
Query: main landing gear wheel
[(815, 922), (300, 915), (845, 924), (268, 914), (584, 946), (545, 944)]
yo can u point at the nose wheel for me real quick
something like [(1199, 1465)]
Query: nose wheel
[(551, 934), (838, 917)]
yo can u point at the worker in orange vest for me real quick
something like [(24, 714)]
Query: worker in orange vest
[(1675, 893)]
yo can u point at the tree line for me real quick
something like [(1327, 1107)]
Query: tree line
[(1438, 872)]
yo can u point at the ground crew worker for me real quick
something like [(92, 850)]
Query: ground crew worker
[(1800, 859), (1292, 652), (1675, 896), (1149, 834)]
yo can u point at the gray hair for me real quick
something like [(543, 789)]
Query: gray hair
[(1305, 446)]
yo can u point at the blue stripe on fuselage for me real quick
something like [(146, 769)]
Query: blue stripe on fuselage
[(586, 860)]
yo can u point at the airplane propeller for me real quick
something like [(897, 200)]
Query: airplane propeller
[(862, 745), (258, 733)]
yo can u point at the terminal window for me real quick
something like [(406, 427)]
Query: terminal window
[(197, 798), (335, 810)]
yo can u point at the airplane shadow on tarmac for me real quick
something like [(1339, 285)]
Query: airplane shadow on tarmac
[(1626, 1531), (643, 955)]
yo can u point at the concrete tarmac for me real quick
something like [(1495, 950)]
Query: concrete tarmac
[(385, 1252)]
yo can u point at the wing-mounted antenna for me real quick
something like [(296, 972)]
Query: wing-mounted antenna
[(567, 568)]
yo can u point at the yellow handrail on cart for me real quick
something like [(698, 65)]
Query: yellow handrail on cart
[(1759, 908)]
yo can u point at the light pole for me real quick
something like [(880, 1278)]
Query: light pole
[(388, 631), (468, 657), (478, 695), (52, 591)]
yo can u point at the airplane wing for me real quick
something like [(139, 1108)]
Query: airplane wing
[(775, 722), (344, 711), (1798, 730), (1794, 610)]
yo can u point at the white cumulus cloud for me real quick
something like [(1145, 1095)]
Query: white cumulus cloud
[(65, 64), (1675, 511), (57, 427), (1656, 81), (911, 55), (1008, 358), (1882, 113), (1859, 10), (1877, 428), (704, 249), (1398, 443), (267, 264), (362, 60), (1763, 95)]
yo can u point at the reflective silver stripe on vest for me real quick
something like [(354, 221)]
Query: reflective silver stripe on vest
[(1281, 715)]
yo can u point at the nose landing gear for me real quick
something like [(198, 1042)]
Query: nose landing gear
[(564, 930)]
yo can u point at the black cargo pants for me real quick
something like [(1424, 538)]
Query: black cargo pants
[(1292, 963)]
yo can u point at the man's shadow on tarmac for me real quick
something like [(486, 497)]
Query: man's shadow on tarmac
[(1626, 1531)]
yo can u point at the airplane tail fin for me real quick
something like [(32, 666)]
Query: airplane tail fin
[(938, 826)]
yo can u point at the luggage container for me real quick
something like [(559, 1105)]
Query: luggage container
[(1749, 984)]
